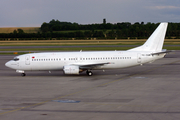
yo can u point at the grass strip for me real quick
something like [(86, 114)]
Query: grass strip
[(68, 49), (31, 50)]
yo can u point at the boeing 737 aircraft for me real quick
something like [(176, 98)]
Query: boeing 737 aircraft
[(77, 62)]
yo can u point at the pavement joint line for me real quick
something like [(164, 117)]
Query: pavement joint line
[(66, 95), (149, 70), (105, 111), (136, 74)]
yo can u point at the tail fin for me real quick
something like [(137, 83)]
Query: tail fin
[(155, 41)]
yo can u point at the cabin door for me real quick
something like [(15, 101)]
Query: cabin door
[(27, 60), (139, 58)]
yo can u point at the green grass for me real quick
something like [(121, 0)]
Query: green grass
[(69, 49), (74, 44), (11, 51), (172, 48), (25, 29), (20, 51), (79, 43)]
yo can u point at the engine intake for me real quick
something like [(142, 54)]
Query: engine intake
[(71, 70)]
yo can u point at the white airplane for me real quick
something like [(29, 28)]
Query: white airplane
[(77, 62)]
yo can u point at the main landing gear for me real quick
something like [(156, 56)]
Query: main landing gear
[(89, 73), (23, 74)]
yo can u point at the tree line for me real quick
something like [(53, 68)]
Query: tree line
[(67, 30)]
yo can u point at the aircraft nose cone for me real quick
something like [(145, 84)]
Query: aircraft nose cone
[(8, 64)]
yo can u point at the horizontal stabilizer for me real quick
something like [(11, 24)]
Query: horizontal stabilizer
[(162, 52)]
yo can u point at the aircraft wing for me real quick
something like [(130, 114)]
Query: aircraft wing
[(91, 65)]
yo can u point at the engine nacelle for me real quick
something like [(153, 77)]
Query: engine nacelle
[(71, 70)]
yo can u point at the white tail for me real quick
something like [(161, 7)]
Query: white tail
[(155, 41)]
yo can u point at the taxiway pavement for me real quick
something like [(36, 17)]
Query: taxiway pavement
[(147, 92)]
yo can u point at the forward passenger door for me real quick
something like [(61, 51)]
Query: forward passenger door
[(27, 60)]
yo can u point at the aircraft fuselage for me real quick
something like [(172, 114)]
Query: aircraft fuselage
[(57, 60)]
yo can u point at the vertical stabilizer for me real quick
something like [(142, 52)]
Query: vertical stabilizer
[(155, 41)]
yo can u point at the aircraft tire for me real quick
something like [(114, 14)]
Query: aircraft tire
[(23, 74), (89, 73)]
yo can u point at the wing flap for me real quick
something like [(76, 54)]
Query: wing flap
[(91, 65)]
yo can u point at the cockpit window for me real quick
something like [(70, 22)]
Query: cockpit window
[(16, 59)]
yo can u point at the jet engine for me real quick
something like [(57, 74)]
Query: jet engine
[(71, 70)]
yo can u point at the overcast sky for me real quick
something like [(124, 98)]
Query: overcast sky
[(32, 13)]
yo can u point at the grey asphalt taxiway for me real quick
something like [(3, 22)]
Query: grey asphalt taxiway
[(147, 92)]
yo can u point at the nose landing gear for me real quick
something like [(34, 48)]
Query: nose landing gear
[(22, 72)]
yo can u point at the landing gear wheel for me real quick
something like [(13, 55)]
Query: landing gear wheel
[(89, 73), (23, 74)]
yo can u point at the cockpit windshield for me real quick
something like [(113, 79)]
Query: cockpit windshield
[(16, 59)]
